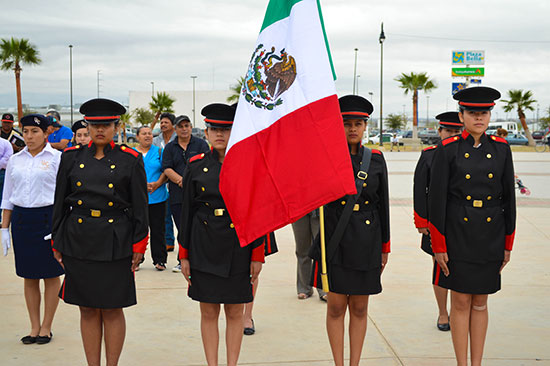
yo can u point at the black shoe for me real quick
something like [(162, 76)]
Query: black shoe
[(250, 331), (44, 339), (28, 339), (443, 327)]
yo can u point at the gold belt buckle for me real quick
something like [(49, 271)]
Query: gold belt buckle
[(478, 203), (219, 212), (95, 213), (362, 175), (356, 207)]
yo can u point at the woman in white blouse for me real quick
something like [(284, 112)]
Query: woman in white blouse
[(27, 202)]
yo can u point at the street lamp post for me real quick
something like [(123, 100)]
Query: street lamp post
[(71, 78), (193, 77), (98, 72), (355, 72), (152, 88), (357, 87), (381, 39), (427, 109)]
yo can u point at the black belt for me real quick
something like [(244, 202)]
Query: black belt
[(99, 213), (494, 202)]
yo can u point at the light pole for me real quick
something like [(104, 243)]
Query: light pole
[(427, 109), (381, 39), (98, 72), (193, 77), (357, 87), (71, 78), (152, 89), (355, 72)]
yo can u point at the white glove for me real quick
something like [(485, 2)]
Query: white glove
[(6, 240), (48, 237)]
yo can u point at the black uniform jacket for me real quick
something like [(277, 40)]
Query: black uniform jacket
[(208, 238), (420, 187), (471, 200), (367, 234), (100, 211)]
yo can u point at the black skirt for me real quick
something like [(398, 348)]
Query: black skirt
[(33, 255), (102, 285), (209, 288), (470, 278), (348, 281)]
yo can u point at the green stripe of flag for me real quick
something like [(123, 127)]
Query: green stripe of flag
[(326, 39), (277, 10)]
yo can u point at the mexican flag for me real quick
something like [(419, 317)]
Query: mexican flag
[(287, 154)]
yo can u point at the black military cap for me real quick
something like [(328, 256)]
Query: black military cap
[(355, 107), (180, 119), (7, 117), (78, 125), (218, 115), (449, 120), (478, 98), (37, 120), (101, 110)]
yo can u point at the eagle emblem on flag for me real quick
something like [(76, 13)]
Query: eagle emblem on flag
[(269, 75)]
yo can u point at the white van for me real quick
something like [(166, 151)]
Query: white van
[(510, 126)]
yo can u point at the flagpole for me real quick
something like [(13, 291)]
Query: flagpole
[(324, 277)]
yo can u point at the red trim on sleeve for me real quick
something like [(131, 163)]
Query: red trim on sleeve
[(258, 254), (374, 151), (430, 147), (448, 140), (386, 247), (419, 221), (71, 148), (509, 242), (183, 253), (196, 157), (499, 139), (53, 249), (141, 245), (439, 244), (130, 151)]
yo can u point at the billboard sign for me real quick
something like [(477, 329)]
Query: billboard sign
[(467, 71), (468, 57), (458, 87)]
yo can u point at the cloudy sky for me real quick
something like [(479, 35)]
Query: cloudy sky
[(137, 42)]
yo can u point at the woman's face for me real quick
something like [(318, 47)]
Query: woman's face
[(145, 137), (82, 136), (445, 132), (34, 137), (218, 137), (102, 133), (354, 130), (475, 122)]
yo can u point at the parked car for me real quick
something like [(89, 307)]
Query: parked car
[(156, 132), (429, 137), (131, 136), (516, 139), (386, 137), (538, 135), (408, 134), (198, 132)]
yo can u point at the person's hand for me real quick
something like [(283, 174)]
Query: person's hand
[(423, 230), (255, 269), (149, 187), (442, 259), (59, 258), (505, 261), (136, 260), (186, 270), (6, 240), (180, 182), (154, 186), (384, 261)]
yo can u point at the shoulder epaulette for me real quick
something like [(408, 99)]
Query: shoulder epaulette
[(75, 147), (498, 139), (449, 140), (196, 157), (129, 150), (374, 151), (430, 148)]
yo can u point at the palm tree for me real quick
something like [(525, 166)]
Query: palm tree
[(522, 102), (14, 53), (142, 116), (395, 121), (124, 121), (162, 103), (235, 91), (412, 83)]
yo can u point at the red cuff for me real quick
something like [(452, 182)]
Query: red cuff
[(183, 253), (141, 245), (53, 249), (509, 243), (258, 254), (386, 247), (419, 221), (439, 244)]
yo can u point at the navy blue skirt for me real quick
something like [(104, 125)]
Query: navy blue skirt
[(33, 255)]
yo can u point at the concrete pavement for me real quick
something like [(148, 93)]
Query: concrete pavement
[(163, 329)]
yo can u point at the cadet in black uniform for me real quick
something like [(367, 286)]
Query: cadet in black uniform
[(100, 229), (472, 215), (357, 258), (449, 125), (217, 268)]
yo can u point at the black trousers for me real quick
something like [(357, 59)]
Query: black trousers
[(157, 226)]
